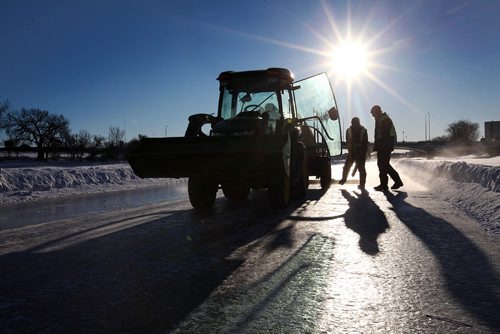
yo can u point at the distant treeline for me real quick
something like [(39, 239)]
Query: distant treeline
[(92, 153), (49, 135)]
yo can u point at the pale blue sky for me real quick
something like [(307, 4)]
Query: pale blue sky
[(146, 65)]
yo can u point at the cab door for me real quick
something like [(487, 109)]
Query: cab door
[(316, 105)]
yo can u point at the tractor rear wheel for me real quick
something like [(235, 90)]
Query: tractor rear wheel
[(326, 174)]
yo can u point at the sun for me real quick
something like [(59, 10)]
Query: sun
[(350, 55), (349, 60)]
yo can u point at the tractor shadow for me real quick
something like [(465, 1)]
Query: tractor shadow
[(140, 273)]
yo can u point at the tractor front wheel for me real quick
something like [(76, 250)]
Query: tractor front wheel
[(300, 172), (202, 191), (279, 191)]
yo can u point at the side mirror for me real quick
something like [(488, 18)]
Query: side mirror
[(333, 113), (246, 98)]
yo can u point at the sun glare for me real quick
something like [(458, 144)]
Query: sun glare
[(350, 55), (349, 60)]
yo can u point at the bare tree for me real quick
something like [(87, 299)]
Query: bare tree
[(115, 142), (70, 143), (463, 131), (78, 144), (4, 107), (96, 146), (82, 143), (37, 127), (116, 135)]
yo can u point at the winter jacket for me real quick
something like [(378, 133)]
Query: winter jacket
[(385, 134), (357, 140)]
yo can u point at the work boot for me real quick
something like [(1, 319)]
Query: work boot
[(381, 187), (341, 182), (397, 185)]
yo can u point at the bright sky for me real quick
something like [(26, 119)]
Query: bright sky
[(147, 65)]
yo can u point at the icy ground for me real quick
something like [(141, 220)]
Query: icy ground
[(472, 184)]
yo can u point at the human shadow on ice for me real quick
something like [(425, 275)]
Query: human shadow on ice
[(468, 273), (366, 219)]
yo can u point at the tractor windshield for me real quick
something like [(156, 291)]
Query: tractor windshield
[(234, 102), (314, 99)]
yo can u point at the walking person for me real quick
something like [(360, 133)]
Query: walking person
[(385, 138), (357, 145)]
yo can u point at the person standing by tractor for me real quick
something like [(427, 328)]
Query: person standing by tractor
[(357, 145), (385, 138)]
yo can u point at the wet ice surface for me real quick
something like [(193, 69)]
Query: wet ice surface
[(337, 261), (348, 261), (38, 212)]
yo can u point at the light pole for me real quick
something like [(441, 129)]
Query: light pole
[(166, 127), (429, 125), (403, 136), (425, 125)]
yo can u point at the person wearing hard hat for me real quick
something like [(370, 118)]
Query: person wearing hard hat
[(357, 145), (385, 138)]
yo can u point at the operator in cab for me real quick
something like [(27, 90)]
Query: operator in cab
[(274, 116)]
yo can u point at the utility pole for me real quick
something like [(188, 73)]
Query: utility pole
[(429, 125), (425, 125), (166, 127)]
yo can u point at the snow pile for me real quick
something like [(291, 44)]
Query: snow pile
[(33, 181), (473, 188), (486, 176)]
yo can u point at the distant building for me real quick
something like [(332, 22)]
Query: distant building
[(492, 131)]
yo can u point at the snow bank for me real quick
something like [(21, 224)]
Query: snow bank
[(486, 176), (473, 188), (32, 181)]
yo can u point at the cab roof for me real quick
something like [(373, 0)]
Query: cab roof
[(270, 79)]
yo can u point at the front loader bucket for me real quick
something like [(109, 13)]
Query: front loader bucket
[(212, 155)]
